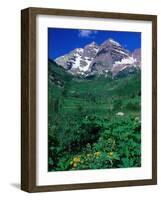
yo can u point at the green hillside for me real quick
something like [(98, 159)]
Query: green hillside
[(93, 123)]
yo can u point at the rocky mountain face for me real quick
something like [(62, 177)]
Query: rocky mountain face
[(109, 57), (78, 61), (137, 55)]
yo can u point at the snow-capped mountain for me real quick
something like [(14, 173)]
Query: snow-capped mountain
[(78, 61), (110, 56)]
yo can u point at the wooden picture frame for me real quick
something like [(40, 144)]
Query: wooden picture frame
[(28, 99)]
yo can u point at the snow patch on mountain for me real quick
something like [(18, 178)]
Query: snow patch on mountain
[(114, 42), (129, 60), (121, 52), (77, 61)]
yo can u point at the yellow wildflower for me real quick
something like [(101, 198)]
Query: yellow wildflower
[(110, 153), (75, 164), (97, 154), (76, 159)]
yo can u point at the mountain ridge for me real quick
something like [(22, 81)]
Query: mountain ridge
[(109, 57)]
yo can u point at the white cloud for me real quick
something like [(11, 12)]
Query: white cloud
[(87, 33)]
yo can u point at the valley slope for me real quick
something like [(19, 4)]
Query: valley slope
[(93, 121)]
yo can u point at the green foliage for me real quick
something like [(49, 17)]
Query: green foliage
[(117, 146), (84, 129), (117, 104)]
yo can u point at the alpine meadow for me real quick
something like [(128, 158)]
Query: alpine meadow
[(94, 99)]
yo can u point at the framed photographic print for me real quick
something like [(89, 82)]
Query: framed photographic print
[(89, 99)]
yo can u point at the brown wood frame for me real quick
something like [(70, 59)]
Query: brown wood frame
[(28, 99)]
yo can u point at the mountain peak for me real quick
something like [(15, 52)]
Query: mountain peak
[(93, 43), (111, 41)]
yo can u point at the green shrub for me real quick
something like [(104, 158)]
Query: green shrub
[(132, 104), (117, 145), (117, 104)]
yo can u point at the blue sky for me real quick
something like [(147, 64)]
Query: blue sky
[(61, 41)]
